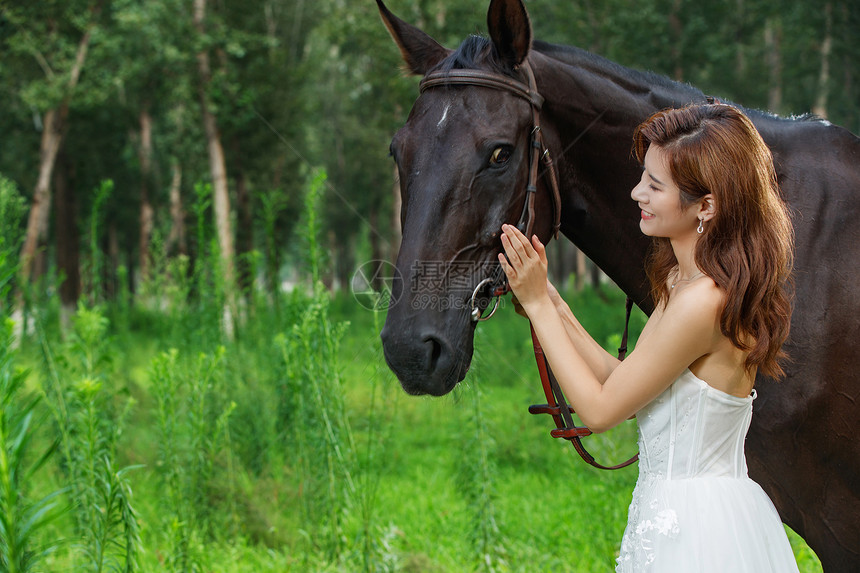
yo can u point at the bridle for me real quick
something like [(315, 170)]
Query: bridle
[(538, 152), (556, 404)]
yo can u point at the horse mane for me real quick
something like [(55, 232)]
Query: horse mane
[(578, 57), (475, 53)]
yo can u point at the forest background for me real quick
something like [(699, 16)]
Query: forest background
[(178, 178)]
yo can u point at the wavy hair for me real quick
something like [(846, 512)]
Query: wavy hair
[(747, 247)]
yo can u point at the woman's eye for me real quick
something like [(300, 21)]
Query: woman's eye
[(500, 156)]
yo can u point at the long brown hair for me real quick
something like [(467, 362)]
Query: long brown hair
[(747, 247)]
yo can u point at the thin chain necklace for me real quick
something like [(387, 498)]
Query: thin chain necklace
[(695, 276)]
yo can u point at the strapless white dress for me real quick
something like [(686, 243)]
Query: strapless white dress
[(694, 509)]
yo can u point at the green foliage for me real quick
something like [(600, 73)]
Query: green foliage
[(300, 452), (311, 230), (12, 209), (477, 477), (21, 520), (90, 412), (324, 450), (192, 422), (93, 273)]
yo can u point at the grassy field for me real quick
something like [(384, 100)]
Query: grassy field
[(191, 429), (290, 447)]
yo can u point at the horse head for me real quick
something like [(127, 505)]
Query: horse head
[(463, 158)]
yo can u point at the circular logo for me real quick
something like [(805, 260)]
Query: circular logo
[(374, 284)]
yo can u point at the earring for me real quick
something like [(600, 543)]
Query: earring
[(701, 228)]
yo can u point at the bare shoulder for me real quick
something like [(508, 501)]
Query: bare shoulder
[(696, 309), (701, 297)]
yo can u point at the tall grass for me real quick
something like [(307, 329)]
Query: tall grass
[(21, 519), (92, 275), (290, 446), (373, 542), (477, 482), (12, 210), (90, 413), (192, 422), (324, 453)]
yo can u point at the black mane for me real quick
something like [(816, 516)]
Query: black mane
[(475, 53)]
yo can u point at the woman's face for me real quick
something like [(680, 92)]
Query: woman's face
[(659, 200)]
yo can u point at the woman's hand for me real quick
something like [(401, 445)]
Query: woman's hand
[(525, 266)]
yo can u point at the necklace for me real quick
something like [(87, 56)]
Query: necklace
[(695, 276)]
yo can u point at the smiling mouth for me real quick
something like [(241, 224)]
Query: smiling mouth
[(647, 215)]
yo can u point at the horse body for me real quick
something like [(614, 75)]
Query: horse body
[(802, 446)]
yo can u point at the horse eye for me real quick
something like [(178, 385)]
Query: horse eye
[(500, 156)]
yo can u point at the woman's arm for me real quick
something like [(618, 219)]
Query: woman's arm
[(601, 362), (687, 329)]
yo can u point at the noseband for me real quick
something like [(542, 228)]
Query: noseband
[(556, 404), (538, 152)]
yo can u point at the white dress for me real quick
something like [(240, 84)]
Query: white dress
[(694, 508)]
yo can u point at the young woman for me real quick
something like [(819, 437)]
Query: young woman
[(719, 272)]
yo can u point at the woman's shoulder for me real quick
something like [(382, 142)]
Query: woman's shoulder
[(700, 299), (692, 310)]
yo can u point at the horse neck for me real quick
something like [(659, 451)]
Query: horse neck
[(592, 108)]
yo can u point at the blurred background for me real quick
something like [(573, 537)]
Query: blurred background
[(187, 188)]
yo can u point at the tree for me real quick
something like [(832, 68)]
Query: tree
[(217, 162), (61, 78)]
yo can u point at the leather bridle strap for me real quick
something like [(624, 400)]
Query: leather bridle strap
[(559, 409), (557, 406), (482, 79)]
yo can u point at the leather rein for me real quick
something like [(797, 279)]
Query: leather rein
[(556, 405)]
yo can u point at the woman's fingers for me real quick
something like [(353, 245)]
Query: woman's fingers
[(539, 248), (516, 246), (511, 250)]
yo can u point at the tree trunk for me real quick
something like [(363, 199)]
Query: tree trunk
[(740, 54), (581, 269), (677, 38), (66, 236), (53, 130), (176, 243), (773, 45), (146, 211), (40, 209), (112, 286), (217, 163), (848, 65), (244, 232), (820, 107), (296, 45)]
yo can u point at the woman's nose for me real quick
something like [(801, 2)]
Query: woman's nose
[(638, 193)]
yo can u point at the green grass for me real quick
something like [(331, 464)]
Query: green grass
[(434, 491)]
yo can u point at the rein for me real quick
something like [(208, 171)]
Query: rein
[(558, 407), (556, 404)]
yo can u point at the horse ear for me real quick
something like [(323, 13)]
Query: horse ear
[(510, 30), (420, 52)]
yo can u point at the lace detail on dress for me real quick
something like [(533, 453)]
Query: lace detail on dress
[(637, 546), (694, 509)]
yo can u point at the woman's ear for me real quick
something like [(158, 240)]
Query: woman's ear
[(707, 208)]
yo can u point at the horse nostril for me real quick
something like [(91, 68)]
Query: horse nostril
[(436, 350)]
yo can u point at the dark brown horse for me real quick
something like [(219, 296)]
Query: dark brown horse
[(463, 162)]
